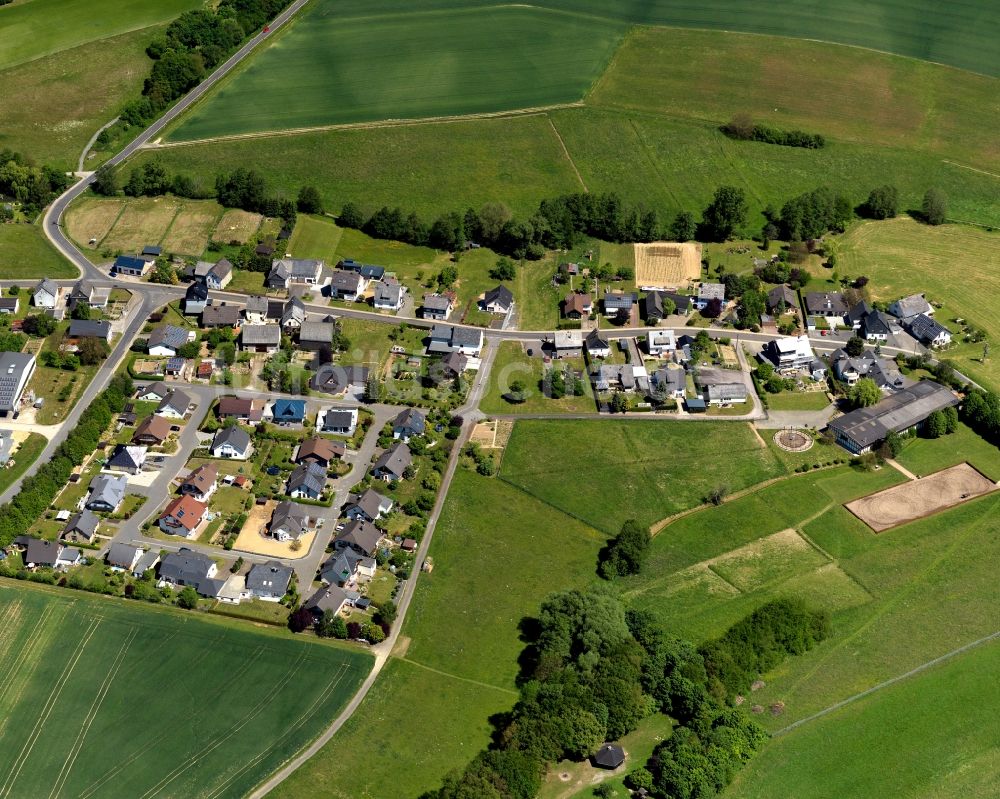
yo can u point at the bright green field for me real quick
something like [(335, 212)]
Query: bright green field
[(104, 698), (26, 253), (330, 70), (929, 737), (428, 713), (31, 29)]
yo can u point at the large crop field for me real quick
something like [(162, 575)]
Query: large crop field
[(103, 698)]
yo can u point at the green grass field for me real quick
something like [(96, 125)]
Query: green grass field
[(26, 253), (27, 453), (632, 469), (923, 456), (512, 363), (103, 697), (798, 401), (461, 660), (956, 265), (405, 66)]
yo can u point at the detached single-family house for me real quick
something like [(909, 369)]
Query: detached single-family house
[(152, 392), (196, 297), (369, 506), (106, 492), (346, 567), (616, 303), (152, 431), (124, 557), (48, 554), (577, 306), (409, 424), (89, 328), (831, 306), (289, 521), (286, 271), (269, 581), (217, 275), (347, 285), (437, 307), (232, 442), (315, 336), (127, 458), (130, 265), (260, 338), (320, 450), (201, 483), (182, 516), (389, 295), (286, 411), (393, 463), (81, 526), (307, 481), (567, 343), (255, 311), (175, 405), (328, 602), (451, 366), (782, 298), (908, 308), (876, 327), (165, 340), (598, 345), (221, 316), (447, 338), (9, 305), (929, 331), (16, 369), (361, 536), (497, 300), (88, 293), (186, 567), (334, 379), (708, 292), (789, 353), (669, 382), (339, 421), (856, 314), (660, 342), (720, 386), (245, 411), (45, 294), (293, 314)]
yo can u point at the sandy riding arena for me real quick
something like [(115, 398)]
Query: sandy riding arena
[(667, 265), (919, 498)]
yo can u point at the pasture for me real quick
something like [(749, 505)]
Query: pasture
[(407, 66), (230, 703), (645, 470), (26, 253), (902, 256), (457, 658)]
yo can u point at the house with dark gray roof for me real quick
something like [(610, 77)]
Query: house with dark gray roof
[(598, 344), (165, 340), (907, 308), (335, 379), (260, 338), (269, 581), (316, 335), (928, 331), (45, 294), (876, 327), (256, 310), (152, 392), (389, 295), (289, 520), (89, 328), (368, 506), (329, 601), (346, 285), (849, 369), (782, 297), (393, 463), (617, 302), (497, 300), (346, 567), (831, 306), (409, 424), (436, 306), (127, 458), (293, 314), (339, 421), (307, 481), (175, 405), (220, 316), (123, 557), (106, 492), (16, 369), (196, 297), (81, 527), (186, 567), (361, 536), (449, 338), (232, 442)]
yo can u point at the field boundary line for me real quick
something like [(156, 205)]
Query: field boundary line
[(892, 681), (565, 150), (554, 507), (47, 709), (711, 567), (95, 707), (970, 168), (654, 165), (383, 123), (455, 676), (111, 229)]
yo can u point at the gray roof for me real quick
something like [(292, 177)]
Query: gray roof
[(898, 412), (826, 303), (925, 328), (780, 294), (334, 379), (46, 285), (269, 578), (597, 340), (257, 304), (185, 567), (325, 600), (319, 332), (725, 392), (290, 517), (107, 488), (911, 306), (156, 388), (338, 420), (361, 535), (236, 437), (261, 334), (293, 310), (876, 323), (411, 420), (85, 523), (437, 302), (619, 301), (89, 328), (858, 312), (712, 291), (343, 565), (882, 370), (345, 281), (123, 555), (310, 476), (301, 268), (168, 336), (466, 337), (220, 316), (388, 292), (126, 456), (42, 553), (176, 400), (14, 367), (370, 503), (394, 460), (500, 295), (197, 292), (147, 561)]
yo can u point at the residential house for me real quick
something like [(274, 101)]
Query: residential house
[(347, 286), (9, 305), (369, 506), (186, 567), (317, 335), (447, 338), (175, 367), (720, 386), (708, 292), (347, 567), (232, 442), (789, 353), (669, 382), (201, 483), (81, 526), (153, 430), (831, 306), (106, 493), (269, 581), (393, 463), (129, 265), (450, 367), (567, 343), (286, 412), (577, 306), (165, 340), (927, 331), (660, 342), (334, 379), (293, 314), (876, 327), (182, 516), (127, 458), (436, 306), (908, 308), (39, 554), (286, 271), (616, 303), (217, 275), (864, 429), (260, 338), (175, 405), (245, 411), (320, 450), (196, 297), (89, 328), (782, 298), (307, 481), (614, 377), (497, 300), (368, 271), (289, 521), (124, 557), (389, 295), (152, 392), (339, 421), (220, 316), (88, 293), (45, 294), (409, 424), (598, 344), (16, 369), (148, 560), (361, 536), (856, 314), (255, 311), (328, 602)]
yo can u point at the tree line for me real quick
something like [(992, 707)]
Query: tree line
[(595, 670), (743, 128), (27, 183), (38, 491)]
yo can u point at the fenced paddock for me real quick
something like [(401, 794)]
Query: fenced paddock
[(668, 265)]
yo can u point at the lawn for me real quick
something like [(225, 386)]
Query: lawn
[(26, 253), (923, 456), (604, 471), (77, 664), (798, 401), (50, 383), (902, 257), (407, 66), (27, 452), (462, 657), (512, 364)]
